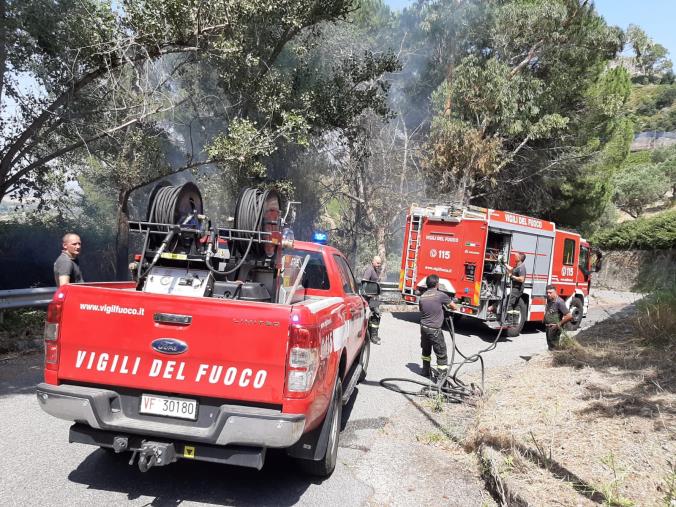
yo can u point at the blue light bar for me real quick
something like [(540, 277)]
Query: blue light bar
[(320, 237)]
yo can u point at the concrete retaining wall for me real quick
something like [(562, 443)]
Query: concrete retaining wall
[(636, 270)]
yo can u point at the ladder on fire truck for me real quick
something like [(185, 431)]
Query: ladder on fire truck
[(412, 244)]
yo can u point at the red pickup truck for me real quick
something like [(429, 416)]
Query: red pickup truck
[(220, 378)]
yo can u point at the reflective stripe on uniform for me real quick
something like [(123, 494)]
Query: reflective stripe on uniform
[(427, 358)]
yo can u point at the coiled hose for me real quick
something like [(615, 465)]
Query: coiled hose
[(448, 386), (249, 214), (166, 204), (165, 208)]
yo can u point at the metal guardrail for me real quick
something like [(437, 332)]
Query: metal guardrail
[(389, 286), (21, 298), (390, 292), (42, 296)]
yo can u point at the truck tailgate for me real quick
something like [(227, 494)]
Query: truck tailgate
[(233, 349)]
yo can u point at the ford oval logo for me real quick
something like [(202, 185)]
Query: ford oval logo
[(169, 346)]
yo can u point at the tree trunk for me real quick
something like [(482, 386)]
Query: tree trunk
[(122, 237), (382, 251), (464, 189), (354, 237), (3, 46)]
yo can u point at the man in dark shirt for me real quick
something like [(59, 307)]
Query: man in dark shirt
[(66, 266), (373, 273), (517, 275), (556, 315), (432, 304)]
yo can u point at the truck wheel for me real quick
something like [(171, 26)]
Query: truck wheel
[(325, 466), (577, 310), (364, 358), (517, 321)]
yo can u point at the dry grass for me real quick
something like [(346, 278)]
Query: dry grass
[(592, 424), (655, 320)]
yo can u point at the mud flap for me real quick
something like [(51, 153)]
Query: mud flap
[(312, 445)]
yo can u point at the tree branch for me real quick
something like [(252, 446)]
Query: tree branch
[(14, 178), (532, 53), (109, 67)]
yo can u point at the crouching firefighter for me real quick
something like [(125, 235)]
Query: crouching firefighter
[(373, 274), (432, 304)]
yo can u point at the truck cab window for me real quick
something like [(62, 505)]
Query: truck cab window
[(346, 276), (315, 276), (584, 258), (569, 252)]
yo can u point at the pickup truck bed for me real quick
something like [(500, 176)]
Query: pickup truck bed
[(205, 378)]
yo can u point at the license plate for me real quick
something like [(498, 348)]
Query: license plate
[(181, 408)]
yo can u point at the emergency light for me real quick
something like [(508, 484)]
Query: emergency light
[(320, 237)]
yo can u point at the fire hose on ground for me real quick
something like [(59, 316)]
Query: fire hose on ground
[(447, 386)]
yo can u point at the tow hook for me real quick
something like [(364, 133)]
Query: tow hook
[(155, 454)]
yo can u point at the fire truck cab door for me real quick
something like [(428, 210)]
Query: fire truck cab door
[(355, 307), (584, 266), (565, 265)]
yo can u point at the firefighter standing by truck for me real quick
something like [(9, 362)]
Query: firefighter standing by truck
[(373, 273), (517, 275), (432, 304), (556, 316)]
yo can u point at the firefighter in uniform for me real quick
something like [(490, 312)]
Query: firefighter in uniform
[(372, 274), (556, 316), (432, 304), (517, 275)]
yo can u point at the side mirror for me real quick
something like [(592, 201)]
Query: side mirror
[(369, 289)]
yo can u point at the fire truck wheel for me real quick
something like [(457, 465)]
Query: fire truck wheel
[(576, 308), (364, 358), (325, 466), (515, 328)]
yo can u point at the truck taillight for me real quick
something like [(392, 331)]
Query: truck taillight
[(52, 332), (303, 361)]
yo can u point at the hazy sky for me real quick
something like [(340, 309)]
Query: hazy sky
[(656, 17)]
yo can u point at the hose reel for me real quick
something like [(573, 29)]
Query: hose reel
[(176, 224), (256, 210), (170, 204), (173, 204)]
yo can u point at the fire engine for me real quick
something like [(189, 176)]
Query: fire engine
[(468, 247)]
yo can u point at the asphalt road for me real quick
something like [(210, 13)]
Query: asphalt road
[(377, 465)]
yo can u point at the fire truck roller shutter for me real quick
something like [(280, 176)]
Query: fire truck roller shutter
[(525, 244), (538, 251), (543, 262)]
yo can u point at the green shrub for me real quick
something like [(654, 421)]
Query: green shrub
[(20, 328), (652, 233)]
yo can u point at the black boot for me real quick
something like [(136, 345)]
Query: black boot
[(374, 338), (426, 370)]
